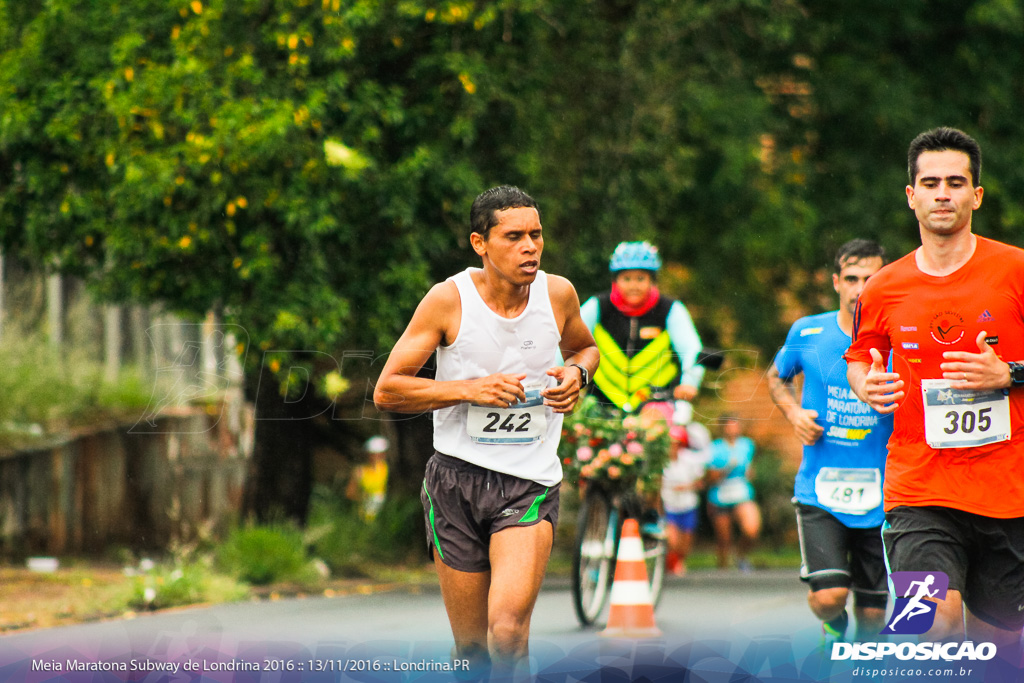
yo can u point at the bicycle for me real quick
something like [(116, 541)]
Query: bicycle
[(598, 531)]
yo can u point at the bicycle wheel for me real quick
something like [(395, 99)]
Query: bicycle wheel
[(655, 549), (593, 555)]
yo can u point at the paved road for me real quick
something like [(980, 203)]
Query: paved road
[(718, 627), (705, 606)]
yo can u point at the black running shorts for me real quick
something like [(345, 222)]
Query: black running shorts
[(832, 555), (465, 504), (983, 557)]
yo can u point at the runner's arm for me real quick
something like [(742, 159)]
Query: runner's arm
[(400, 390), (881, 390), (983, 370), (802, 419), (866, 356), (719, 465)]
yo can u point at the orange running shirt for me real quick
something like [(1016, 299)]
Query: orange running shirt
[(918, 317)]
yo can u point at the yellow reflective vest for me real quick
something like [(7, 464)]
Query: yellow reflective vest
[(636, 354)]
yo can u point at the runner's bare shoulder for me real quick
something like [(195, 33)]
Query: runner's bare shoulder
[(441, 308), (561, 291)]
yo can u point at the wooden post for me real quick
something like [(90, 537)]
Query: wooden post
[(140, 344), (55, 308), (111, 342), (2, 311), (212, 341)]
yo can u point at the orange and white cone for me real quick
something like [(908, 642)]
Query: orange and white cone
[(631, 614)]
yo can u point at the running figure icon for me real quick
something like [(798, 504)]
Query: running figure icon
[(914, 606), (918, 594)]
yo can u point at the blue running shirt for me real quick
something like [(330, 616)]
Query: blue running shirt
[(853, 447)]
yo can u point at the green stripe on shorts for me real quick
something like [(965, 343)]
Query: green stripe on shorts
[(433, 528), (532, 514)]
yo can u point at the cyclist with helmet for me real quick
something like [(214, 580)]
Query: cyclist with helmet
[(647, 341)]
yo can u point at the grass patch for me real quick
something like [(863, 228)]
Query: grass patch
[(32, 600), (767, 558), (183, 584)]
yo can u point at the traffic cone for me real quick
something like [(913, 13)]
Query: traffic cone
[(631, 614)]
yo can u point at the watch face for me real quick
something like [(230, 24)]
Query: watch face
[(1017, 373)]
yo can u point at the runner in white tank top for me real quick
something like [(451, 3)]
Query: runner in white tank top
[(491, 491)]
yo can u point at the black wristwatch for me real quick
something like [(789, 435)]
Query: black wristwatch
[(1016, 373), (585, 375)]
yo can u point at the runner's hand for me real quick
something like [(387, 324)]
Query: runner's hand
[(562, 398), (884, 390), (807, 430), (499, 390), (983, 370)]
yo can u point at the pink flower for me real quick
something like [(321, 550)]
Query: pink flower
[(584, 454), (634, 447), (615, 449), (630, 422)]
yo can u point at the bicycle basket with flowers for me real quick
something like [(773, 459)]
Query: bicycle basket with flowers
[(600, 444)]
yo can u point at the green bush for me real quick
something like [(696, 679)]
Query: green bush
[(261, 555)]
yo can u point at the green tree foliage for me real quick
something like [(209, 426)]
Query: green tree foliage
[(266, 160), (305, 167), (882, 73), (634, 120), (297, 167)]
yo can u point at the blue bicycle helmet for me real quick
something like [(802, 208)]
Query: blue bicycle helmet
[(635, 256)]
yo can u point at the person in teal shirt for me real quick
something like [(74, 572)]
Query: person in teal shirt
[(730, 496)]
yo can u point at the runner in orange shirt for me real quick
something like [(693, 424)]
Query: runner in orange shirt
[(952, 315)]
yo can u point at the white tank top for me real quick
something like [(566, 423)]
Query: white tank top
[(522, 440)]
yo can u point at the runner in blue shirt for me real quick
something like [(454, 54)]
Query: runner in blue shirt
[(838, 491)]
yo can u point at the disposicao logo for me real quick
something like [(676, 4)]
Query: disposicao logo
[(947, 652), (914, 614)]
